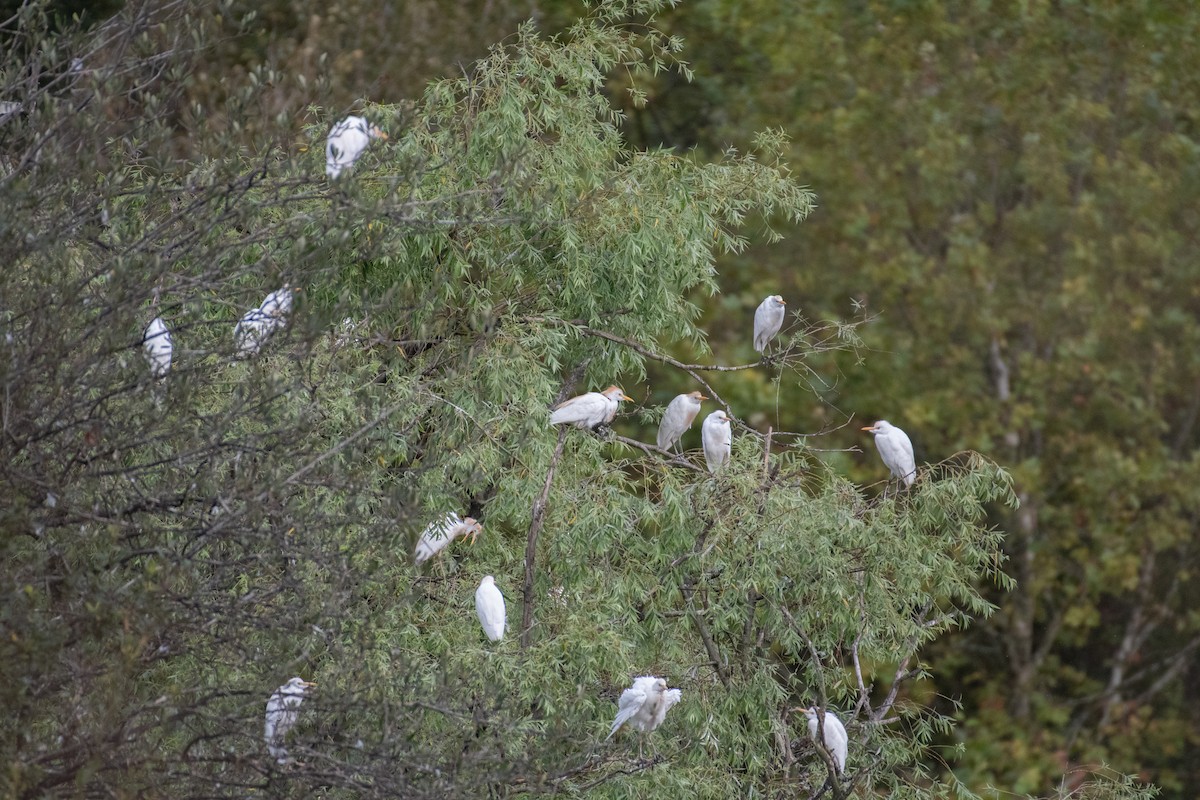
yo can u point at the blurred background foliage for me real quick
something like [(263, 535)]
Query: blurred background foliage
[(1006, 193)]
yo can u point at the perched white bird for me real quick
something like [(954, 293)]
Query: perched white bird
[(257, 324), (347, 141), (679, 416), (589, 410), (644, 705), (283, 709), (444, 531), (896, 451), (768, 319), (489, 607), (717, 436), (836, 740), (157, 342)]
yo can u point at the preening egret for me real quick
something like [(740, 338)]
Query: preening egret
[(444, 531), (489, 607), (896, 451), (717, 436), (257, 324), (589, 410), (283, 709), (157, 342), (347, 141), (836, 740), (644, 705), (679, 416), (768, 319)]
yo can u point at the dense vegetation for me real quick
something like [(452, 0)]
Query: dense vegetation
[(999, 264)]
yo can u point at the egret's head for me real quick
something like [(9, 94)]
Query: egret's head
[(882, 426), (777, 300), (809, 712), (297, 685), (660, 684), (472, 528), (696, 396), (375, 132), (488, 580), (719, 417), (616, 393)]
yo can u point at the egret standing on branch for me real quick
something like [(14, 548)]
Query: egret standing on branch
[(489, 607), (896, 451), (718, 438), (589, 410), (347, 141), (283, 709), (768, 319), (679, 416), (257, 324), (438, 534), (157, 342), (644, 705), (836, 740)]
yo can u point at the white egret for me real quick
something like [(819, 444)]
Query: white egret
[(157, 342), (489, 607), (257, 324), (837, 742), (589, 410), (768, 319), (679, 416), (717, 436), (442, 532), (283, 709), (644, 705), (896, 451), (347, 141)]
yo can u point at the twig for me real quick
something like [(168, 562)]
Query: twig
[(535, 528)]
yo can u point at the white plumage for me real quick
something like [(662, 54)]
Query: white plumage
[(489, 607), (837, 742), (442, 532), (347, 141), (896, 451), (589, 410), (717, 436), (283, 709), (644, 706), (257, 324), (768, 319), (157, 342), (679, 416)]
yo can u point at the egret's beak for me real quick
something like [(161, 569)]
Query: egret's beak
[(702, 397), (475, 534), (626, 397), (783, 302), (871, 428), (307, 684)]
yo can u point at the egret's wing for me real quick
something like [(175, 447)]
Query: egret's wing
[(837, 740), (489, 607), (631, 702), (436, 536), (674, 422), (896, 451), (159, 348), (582, 409), (278, 303), (768, 319), (670, 698)]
